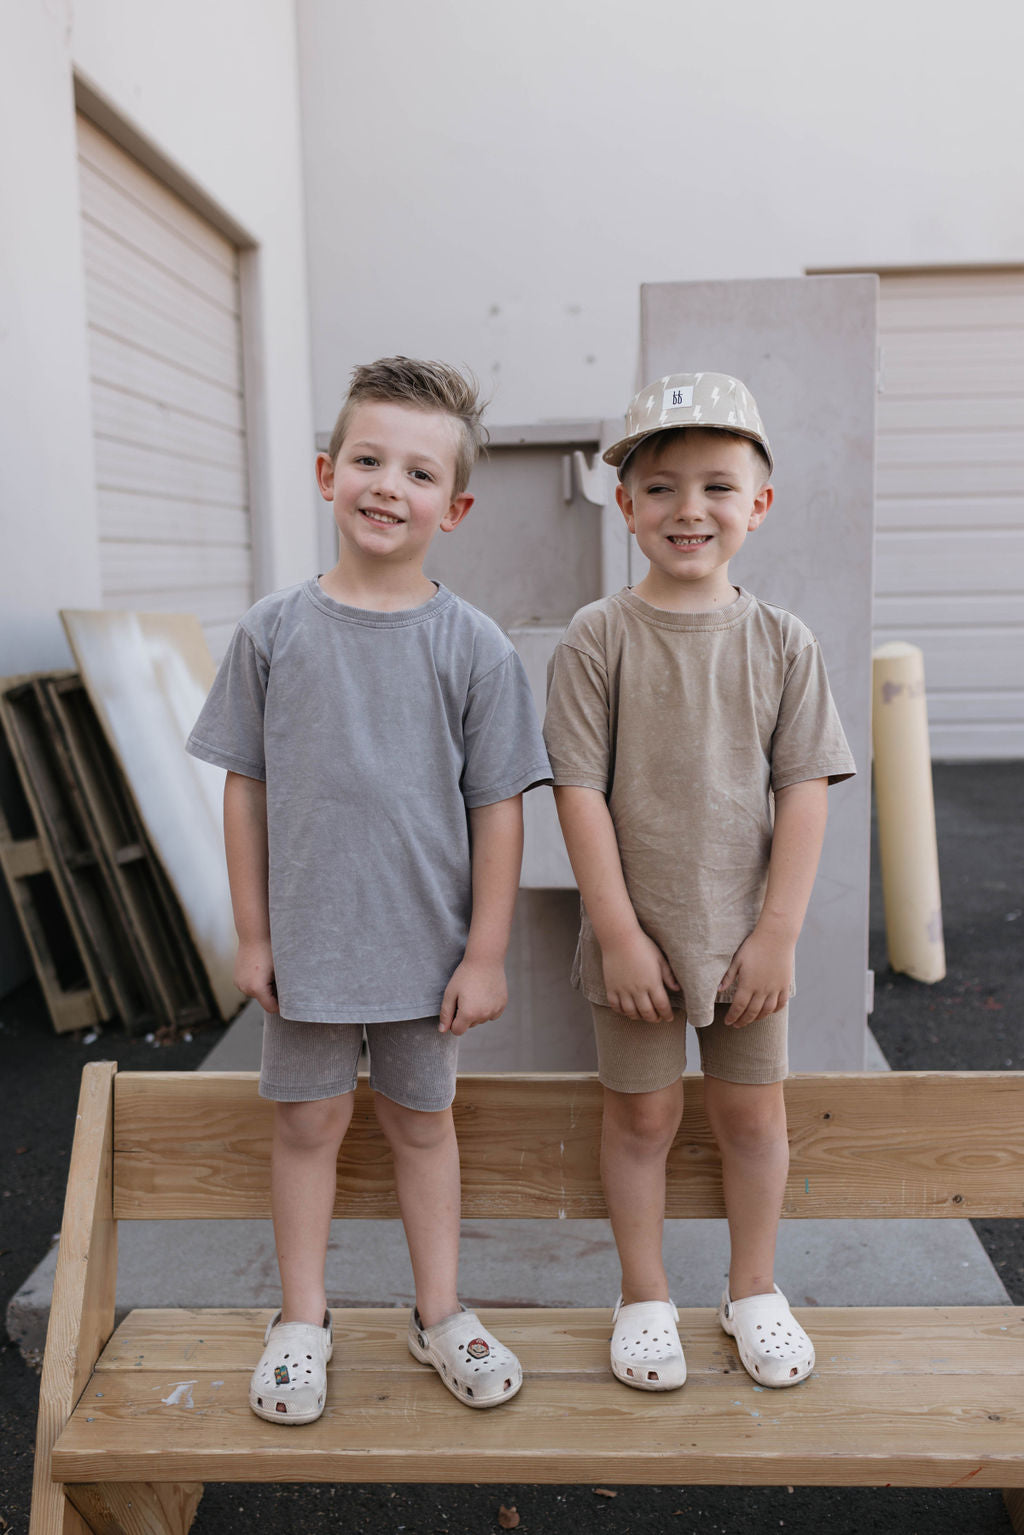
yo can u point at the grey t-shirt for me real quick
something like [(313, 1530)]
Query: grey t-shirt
[(687, 722), (375, 733)]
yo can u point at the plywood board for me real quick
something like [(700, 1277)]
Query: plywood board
[(908, 1398), (148, 675), (884, 1144)]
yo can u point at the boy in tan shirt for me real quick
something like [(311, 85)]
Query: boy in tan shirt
[(679, 711)]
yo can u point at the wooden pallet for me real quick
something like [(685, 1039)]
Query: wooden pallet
[(67, 835), (50, 933), (152, 913)]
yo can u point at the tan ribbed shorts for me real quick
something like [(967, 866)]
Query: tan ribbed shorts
[(411, 1062), (634, 1056)]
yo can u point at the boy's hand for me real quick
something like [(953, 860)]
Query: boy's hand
[(476, 993), (254, 974), (761, 970), (638, 978)]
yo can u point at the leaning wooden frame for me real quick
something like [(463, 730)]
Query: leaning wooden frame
[(133, 1421)]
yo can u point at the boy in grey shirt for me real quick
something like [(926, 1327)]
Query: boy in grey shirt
[(378, 734)]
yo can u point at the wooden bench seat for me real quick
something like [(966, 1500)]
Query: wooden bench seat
[(134, 1421)]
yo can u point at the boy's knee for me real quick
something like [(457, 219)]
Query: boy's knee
[(648, 1120), (312, 1126), (417, 1129), (748, 1118)]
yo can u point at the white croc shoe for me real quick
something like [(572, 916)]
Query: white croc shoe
[(773, 1347), (289, 1385), (646, 1351), (474, 1366)]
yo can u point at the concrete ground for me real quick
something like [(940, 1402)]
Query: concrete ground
[(969, 1021)]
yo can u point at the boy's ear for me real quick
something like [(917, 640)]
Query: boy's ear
[(456, 512), (759, 510), (625, 501), (325, 475)]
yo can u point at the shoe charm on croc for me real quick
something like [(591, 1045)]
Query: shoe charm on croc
[(646, 1351), (773, 1347), (474, 1366), (289, 1385)]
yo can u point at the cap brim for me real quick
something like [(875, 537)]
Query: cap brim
[(617, 454)]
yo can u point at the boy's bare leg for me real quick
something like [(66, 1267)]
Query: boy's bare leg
[(303, 1171), (426, 1158), (749, 1124), (636, 1135)]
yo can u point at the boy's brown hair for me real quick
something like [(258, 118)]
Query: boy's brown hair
[(423, 386)]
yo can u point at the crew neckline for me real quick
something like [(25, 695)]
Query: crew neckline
[(398, 618), (665, 618)]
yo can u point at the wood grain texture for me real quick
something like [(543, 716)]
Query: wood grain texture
[(136, 1508), (900, 1144), (931, 1422), (82, 1309)]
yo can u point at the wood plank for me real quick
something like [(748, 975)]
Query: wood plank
[(967, 513), (82, 1309), (148, 675), (194, 287), (127, 514), (197, 1145), (914, 562), (123, 466), (389, 1419), (214, 355), (869, 1341), (1014, 1499), (137, 1508)]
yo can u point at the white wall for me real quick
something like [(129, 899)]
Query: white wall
[(491, 184), (214, 90)]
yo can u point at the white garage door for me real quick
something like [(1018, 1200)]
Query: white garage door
[(950, 548), (165, 348)]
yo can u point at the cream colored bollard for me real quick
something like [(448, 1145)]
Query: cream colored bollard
[(906, 813)]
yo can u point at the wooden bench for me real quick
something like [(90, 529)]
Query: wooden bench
[(132, 1422)]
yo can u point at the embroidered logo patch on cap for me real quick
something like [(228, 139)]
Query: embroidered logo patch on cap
[(675, 399)]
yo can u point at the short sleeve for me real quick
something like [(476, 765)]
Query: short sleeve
[(808, 740), (229, 730), (577, 727), (503, 745)]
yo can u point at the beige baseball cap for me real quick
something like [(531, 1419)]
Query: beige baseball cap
[(711, 400)]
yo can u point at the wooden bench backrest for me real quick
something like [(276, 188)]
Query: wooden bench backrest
[(191, 1145)]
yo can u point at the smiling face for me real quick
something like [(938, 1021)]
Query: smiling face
[(691, 497), (391, 488)]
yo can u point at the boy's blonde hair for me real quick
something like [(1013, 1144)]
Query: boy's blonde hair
[(423, 386)]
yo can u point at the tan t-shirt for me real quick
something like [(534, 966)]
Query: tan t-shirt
[(686, 722)]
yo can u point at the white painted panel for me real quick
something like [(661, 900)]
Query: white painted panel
[(213, 352), (931, 562), (906, 513), (119, 466), (123, 366), (171, 458), (125, 515), (162, 428), (107, 253), (156, 567), (950, 549), (130, 181)]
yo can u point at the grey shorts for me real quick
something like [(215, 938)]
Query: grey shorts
[(411, 1062), (634, 1056)]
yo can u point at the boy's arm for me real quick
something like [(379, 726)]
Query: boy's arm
[(245, 843), (636, 973), (762, 967), (478, 990)]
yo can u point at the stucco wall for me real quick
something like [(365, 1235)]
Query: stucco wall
[(492, 184)]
